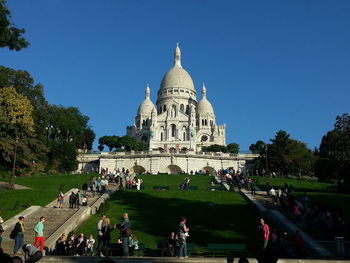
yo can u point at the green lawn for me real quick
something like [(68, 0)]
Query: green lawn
[(44, 189), (213, 216), (298, 185)]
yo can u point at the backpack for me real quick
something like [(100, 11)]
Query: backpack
[(13, 234)]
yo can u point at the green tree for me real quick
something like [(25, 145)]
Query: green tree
[(89, 137), (303, 159), (65, 134), (214, 148), (16, 128), (233, 147), (279, 153), (24, 85), (10, 35), (260, 148), (334, 152)]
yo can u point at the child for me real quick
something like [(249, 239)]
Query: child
[(89, 249)]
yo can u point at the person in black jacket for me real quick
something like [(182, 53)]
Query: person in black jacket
[(18, 234)]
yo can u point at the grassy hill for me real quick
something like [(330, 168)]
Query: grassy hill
[(212, 216)]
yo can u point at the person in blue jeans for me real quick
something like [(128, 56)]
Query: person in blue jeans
[(182, 236), (18, 231)]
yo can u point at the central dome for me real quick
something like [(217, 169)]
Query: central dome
[(177, 76)]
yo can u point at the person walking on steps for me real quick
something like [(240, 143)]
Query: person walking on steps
[(18, 234), (39, 234)]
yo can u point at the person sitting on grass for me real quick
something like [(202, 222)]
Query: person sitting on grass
[(80, 245), (61, 245), (89, 248), (70, 245)]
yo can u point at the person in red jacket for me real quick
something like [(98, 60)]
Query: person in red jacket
[(263, 234)]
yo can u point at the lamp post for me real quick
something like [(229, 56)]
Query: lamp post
[(266, 162)]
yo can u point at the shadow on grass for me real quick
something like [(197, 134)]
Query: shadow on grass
[(209, 222)]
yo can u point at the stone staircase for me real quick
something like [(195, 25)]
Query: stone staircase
[(55, 218), (218, 179)]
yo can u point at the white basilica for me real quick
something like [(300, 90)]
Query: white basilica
[(179, 122)]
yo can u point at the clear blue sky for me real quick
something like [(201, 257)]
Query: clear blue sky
[(267, 65)]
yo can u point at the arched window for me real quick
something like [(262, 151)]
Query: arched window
[(184, 136), (146, 122), (164, 107), (187, 109), (161, 136), (182, 108), (206, 122), (173, 130), (202, 122)]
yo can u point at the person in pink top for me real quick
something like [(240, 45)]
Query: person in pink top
[(263, 234)]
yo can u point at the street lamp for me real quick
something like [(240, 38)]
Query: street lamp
[(266, 162)]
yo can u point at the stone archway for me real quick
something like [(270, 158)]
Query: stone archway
[(138, 169), (209, 170), (174, 169)]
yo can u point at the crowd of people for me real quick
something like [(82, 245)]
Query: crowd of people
[(102, 246), (320, 221), (123, 179)]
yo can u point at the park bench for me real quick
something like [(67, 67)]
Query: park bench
[(161, 187), (224, 248), (141, 250), (216, 188), (190, 248)]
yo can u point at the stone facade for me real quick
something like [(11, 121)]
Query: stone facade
[(178, 121), (164, 162)]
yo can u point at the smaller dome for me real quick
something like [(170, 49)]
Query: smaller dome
[(204, 107), (146, 107)]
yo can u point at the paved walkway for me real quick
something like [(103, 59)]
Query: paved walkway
[(55, 217), (5, 185)]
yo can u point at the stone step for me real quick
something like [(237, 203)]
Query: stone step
[(55, 218)]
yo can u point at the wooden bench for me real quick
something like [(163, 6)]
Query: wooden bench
[(226, 248)]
